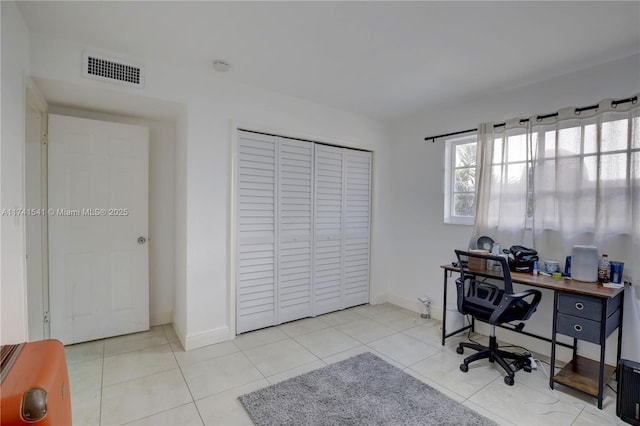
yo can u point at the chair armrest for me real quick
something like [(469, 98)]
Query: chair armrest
[(509, 300), (522, 294)]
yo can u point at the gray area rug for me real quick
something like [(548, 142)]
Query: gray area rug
[(363, 390)]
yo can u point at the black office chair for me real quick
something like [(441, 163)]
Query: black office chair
[(489, 303)]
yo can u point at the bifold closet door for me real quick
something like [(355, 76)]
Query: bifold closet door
[(294, 229), (275, 223), (329, 199), (342, 220), (302, 229), (256, 232), (357, 219)]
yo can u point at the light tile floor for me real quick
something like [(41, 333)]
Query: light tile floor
[(147, 379)]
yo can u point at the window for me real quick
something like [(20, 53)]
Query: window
[(511, 203), (562, 176), (586, 169), (460, 180)]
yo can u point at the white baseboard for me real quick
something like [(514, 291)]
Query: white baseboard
[(180, 333), (378, 299), (206, 338), (160, 318), (414, 305), (437, 312)]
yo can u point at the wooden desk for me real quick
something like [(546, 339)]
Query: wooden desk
[(583, 311)]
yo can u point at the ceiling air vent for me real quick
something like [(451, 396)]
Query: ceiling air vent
[(112, 70)]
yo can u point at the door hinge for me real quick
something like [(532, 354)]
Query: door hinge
[(46, 317)]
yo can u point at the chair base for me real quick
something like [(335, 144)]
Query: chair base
[(520, 361)]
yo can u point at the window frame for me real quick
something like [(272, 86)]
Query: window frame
[(449, 179)]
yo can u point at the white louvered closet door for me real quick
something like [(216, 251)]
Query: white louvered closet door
[(295, 229), (328, 212), (256, 271), (303, 229), (356, 227)]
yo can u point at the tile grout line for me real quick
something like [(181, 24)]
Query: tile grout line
[(193, 400), (153, 374), (160, 412), (330, 327), (252, 363)]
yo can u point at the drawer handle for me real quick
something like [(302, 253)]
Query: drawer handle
[(579, 306), (577, 327)]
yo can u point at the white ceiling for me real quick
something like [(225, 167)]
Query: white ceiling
[(382, 59)]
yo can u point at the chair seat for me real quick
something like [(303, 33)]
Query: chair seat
[(515, 313)]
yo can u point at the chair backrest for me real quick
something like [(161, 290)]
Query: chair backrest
[(463, 262), (476, 296), (487, 301)]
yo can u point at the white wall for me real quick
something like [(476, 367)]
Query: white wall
[(180, 229), (422, 241), (162, 135), (214, 105), (14, 65)]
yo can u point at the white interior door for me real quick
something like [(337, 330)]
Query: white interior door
[(98, 226)]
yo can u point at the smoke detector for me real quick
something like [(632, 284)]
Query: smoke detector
[(220, 65)]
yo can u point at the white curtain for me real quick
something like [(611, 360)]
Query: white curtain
[(553, 182), (501, 184)]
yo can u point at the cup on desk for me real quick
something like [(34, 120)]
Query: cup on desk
[(551, 266)]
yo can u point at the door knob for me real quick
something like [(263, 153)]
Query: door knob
[(142, 240)]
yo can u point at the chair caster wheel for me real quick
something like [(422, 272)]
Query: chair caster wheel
[(509, 380), (527, 368), (459, 350), (464, 368)]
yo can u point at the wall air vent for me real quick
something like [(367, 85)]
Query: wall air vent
[(112, 70)]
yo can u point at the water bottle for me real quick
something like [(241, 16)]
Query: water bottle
[(495, 251), (567, 266), (604, 268)]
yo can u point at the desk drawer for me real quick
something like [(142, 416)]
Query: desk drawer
[(580, 328), (585, 306), (586, 329)]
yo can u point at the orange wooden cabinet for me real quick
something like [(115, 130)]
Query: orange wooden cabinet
[(34, 384)]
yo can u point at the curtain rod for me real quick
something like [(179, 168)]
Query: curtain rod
[(614, 104)]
